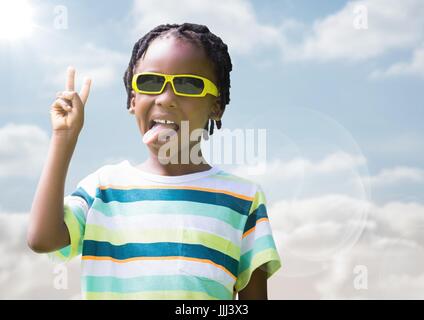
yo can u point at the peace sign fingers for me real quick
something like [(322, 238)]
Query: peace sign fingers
[(70, 85), (67, 111)]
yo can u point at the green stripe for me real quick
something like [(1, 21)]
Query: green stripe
[(273, 263), (156, 283), (121, 237), (80, 216), (257, 201), (233, 218), (75, 221), (260, 244), (152, 295), (61, 255), (75, 233)]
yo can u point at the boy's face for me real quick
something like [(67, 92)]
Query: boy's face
[(174, 56)]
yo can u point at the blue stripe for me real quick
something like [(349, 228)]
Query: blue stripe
[(80, 192), (240, 205), (158, 249), (156, 283), (258, 213)]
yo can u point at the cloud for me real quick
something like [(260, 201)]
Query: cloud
[(321, 235), (25, 274), (391, 25), (324, 239), (103, 66), (413, 67), (334, 173), (23, 150), (301, 177), (324, 230), (277, 169), (316, 228), (396, 175), (234, 21), (392, 256), (390, 248), (403, 219)]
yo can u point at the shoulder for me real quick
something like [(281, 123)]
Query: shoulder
[(105, 172), (111, 168), (238, 182)]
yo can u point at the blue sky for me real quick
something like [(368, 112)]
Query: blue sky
[(382, 115), (327, 92)]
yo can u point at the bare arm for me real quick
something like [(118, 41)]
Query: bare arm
[(256, 289), (47, 230)]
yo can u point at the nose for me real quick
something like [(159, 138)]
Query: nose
[(167, 97)]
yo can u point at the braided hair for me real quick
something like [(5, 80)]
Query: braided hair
[(216, 50)]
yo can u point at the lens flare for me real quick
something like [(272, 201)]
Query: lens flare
[(16, 19)]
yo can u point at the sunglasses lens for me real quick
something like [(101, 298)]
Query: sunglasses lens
[(188, 85), (150, 82)]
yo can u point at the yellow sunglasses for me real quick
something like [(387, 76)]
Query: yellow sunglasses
[(187, 85)]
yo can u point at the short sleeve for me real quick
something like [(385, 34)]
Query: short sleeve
[(257, 247), (76, 207)]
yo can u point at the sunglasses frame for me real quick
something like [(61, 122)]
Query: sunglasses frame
[(209, 86)]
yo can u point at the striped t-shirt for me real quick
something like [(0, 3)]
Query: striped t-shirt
[(147, 236)]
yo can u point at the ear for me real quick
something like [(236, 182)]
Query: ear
[(132, 103), (216, 112)]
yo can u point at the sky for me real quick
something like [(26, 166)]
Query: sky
[(336, 85)]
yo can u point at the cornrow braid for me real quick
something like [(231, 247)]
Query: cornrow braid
[(216, 50)]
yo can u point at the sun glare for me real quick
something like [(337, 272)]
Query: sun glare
[(16, 19)]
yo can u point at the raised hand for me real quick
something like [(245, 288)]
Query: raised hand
[(67, 111)]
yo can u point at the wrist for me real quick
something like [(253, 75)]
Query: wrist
[(65, 135)]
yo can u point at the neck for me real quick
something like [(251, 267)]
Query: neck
[(154, 165)]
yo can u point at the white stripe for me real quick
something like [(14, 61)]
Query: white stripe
[(74, 201), (90, 183), (173, 221), (139, 268), (262, 229), (123, 175)]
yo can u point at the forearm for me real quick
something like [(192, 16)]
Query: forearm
[(47, 230)]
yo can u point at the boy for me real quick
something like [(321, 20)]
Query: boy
[(158, 230)]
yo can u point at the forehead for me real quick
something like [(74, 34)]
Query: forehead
[(175, 56)]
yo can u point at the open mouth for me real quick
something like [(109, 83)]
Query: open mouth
[(164, 123)]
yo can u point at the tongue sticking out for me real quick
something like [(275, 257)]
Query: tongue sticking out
[(159, 129)]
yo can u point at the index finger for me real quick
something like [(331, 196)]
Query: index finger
[(70, 79)]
